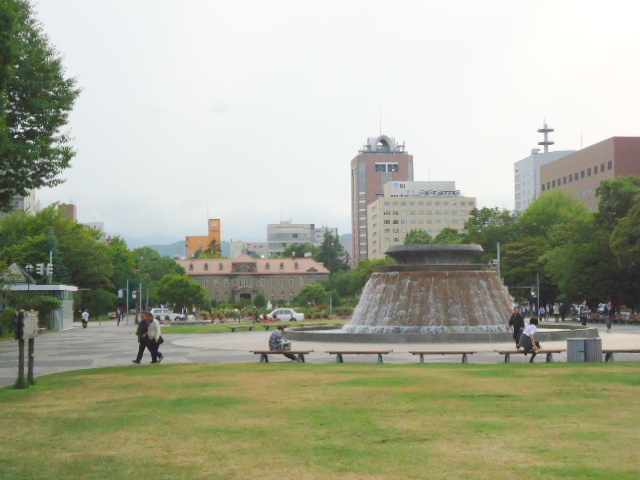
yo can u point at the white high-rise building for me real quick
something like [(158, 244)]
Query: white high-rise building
[(526, 172)]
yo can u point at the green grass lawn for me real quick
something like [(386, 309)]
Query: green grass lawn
[(326, 421), (224, 327)]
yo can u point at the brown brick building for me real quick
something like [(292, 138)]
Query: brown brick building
[(581, 172)]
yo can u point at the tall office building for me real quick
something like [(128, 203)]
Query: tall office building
[(527, 171), (380, 161)]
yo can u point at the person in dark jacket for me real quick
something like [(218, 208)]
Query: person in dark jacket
[(610, 310), (143, 339), (517, 322)]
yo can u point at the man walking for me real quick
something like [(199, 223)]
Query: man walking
[(517, 322), (143, 340)]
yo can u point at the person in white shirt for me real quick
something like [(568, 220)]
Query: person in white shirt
[(528, 339), (153, 337), (85, 318)]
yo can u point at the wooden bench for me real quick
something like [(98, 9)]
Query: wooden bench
[(340, 353), (242, 327), (608, 353), (422, 353), (264, 354), (507, 354)]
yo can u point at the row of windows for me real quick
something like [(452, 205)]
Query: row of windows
[(427, 204), (577, 176), (248, 282), (404, 213), (221, 266), (446, 221)]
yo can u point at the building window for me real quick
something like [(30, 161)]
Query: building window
[(221, 266), (281, 266), (268, 266), (206, 266), (553, 183), (381, 168), (291, 281), (226, 282), (588, 172), (273, 282), (301, 282), (296, 266), (564, 180), (582, 174), (601, 167), (609, 164), (206, 283), (191, 266), (215, 282)]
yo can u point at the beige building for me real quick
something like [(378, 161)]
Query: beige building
[(242, 278), (195, 243), (406, 206), (581, 172)]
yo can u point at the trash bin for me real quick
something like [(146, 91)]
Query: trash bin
[(593, 349), (575, 350)]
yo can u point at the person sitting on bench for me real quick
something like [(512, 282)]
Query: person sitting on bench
[(528, 339), (276, 342)]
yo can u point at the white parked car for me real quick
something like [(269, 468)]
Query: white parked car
[(286, 315), (165, 314)]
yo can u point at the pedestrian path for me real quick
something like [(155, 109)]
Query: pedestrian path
[(108, 345)]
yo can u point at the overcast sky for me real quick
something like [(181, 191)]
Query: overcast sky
[(250, 111)]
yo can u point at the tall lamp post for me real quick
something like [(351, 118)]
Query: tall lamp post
[(29, 269)]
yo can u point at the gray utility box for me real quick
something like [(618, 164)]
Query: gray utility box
[(584, 349)]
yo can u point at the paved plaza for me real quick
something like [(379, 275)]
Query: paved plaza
[(109, 345)]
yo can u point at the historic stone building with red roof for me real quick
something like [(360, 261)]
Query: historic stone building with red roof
[(242, 278)]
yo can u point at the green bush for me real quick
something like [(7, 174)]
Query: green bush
[(7, 317)]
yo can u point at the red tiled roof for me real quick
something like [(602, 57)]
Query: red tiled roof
[(263, 266)]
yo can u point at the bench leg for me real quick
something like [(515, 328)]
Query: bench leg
[(422, 358), (464, 358), (300, 358), (549, 357), (608, 357), (264, 358), (507, 358), (339, 358), (379, 358)]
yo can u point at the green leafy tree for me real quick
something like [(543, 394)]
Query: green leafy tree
[(299, 250), (260, 301), (418, 237), (181, 291), (617, 198), (314, 294), (449, 236), (98, 301), (489, 226), (331, 254), (625, 240), (35, 100)]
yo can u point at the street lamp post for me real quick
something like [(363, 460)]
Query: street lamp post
[(29, 269)]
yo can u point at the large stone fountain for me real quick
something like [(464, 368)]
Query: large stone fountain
[(434, 294), (433, 289)]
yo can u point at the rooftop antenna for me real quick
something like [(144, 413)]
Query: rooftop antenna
[(545, 130)]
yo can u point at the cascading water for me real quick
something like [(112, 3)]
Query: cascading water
[(433, 289)]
